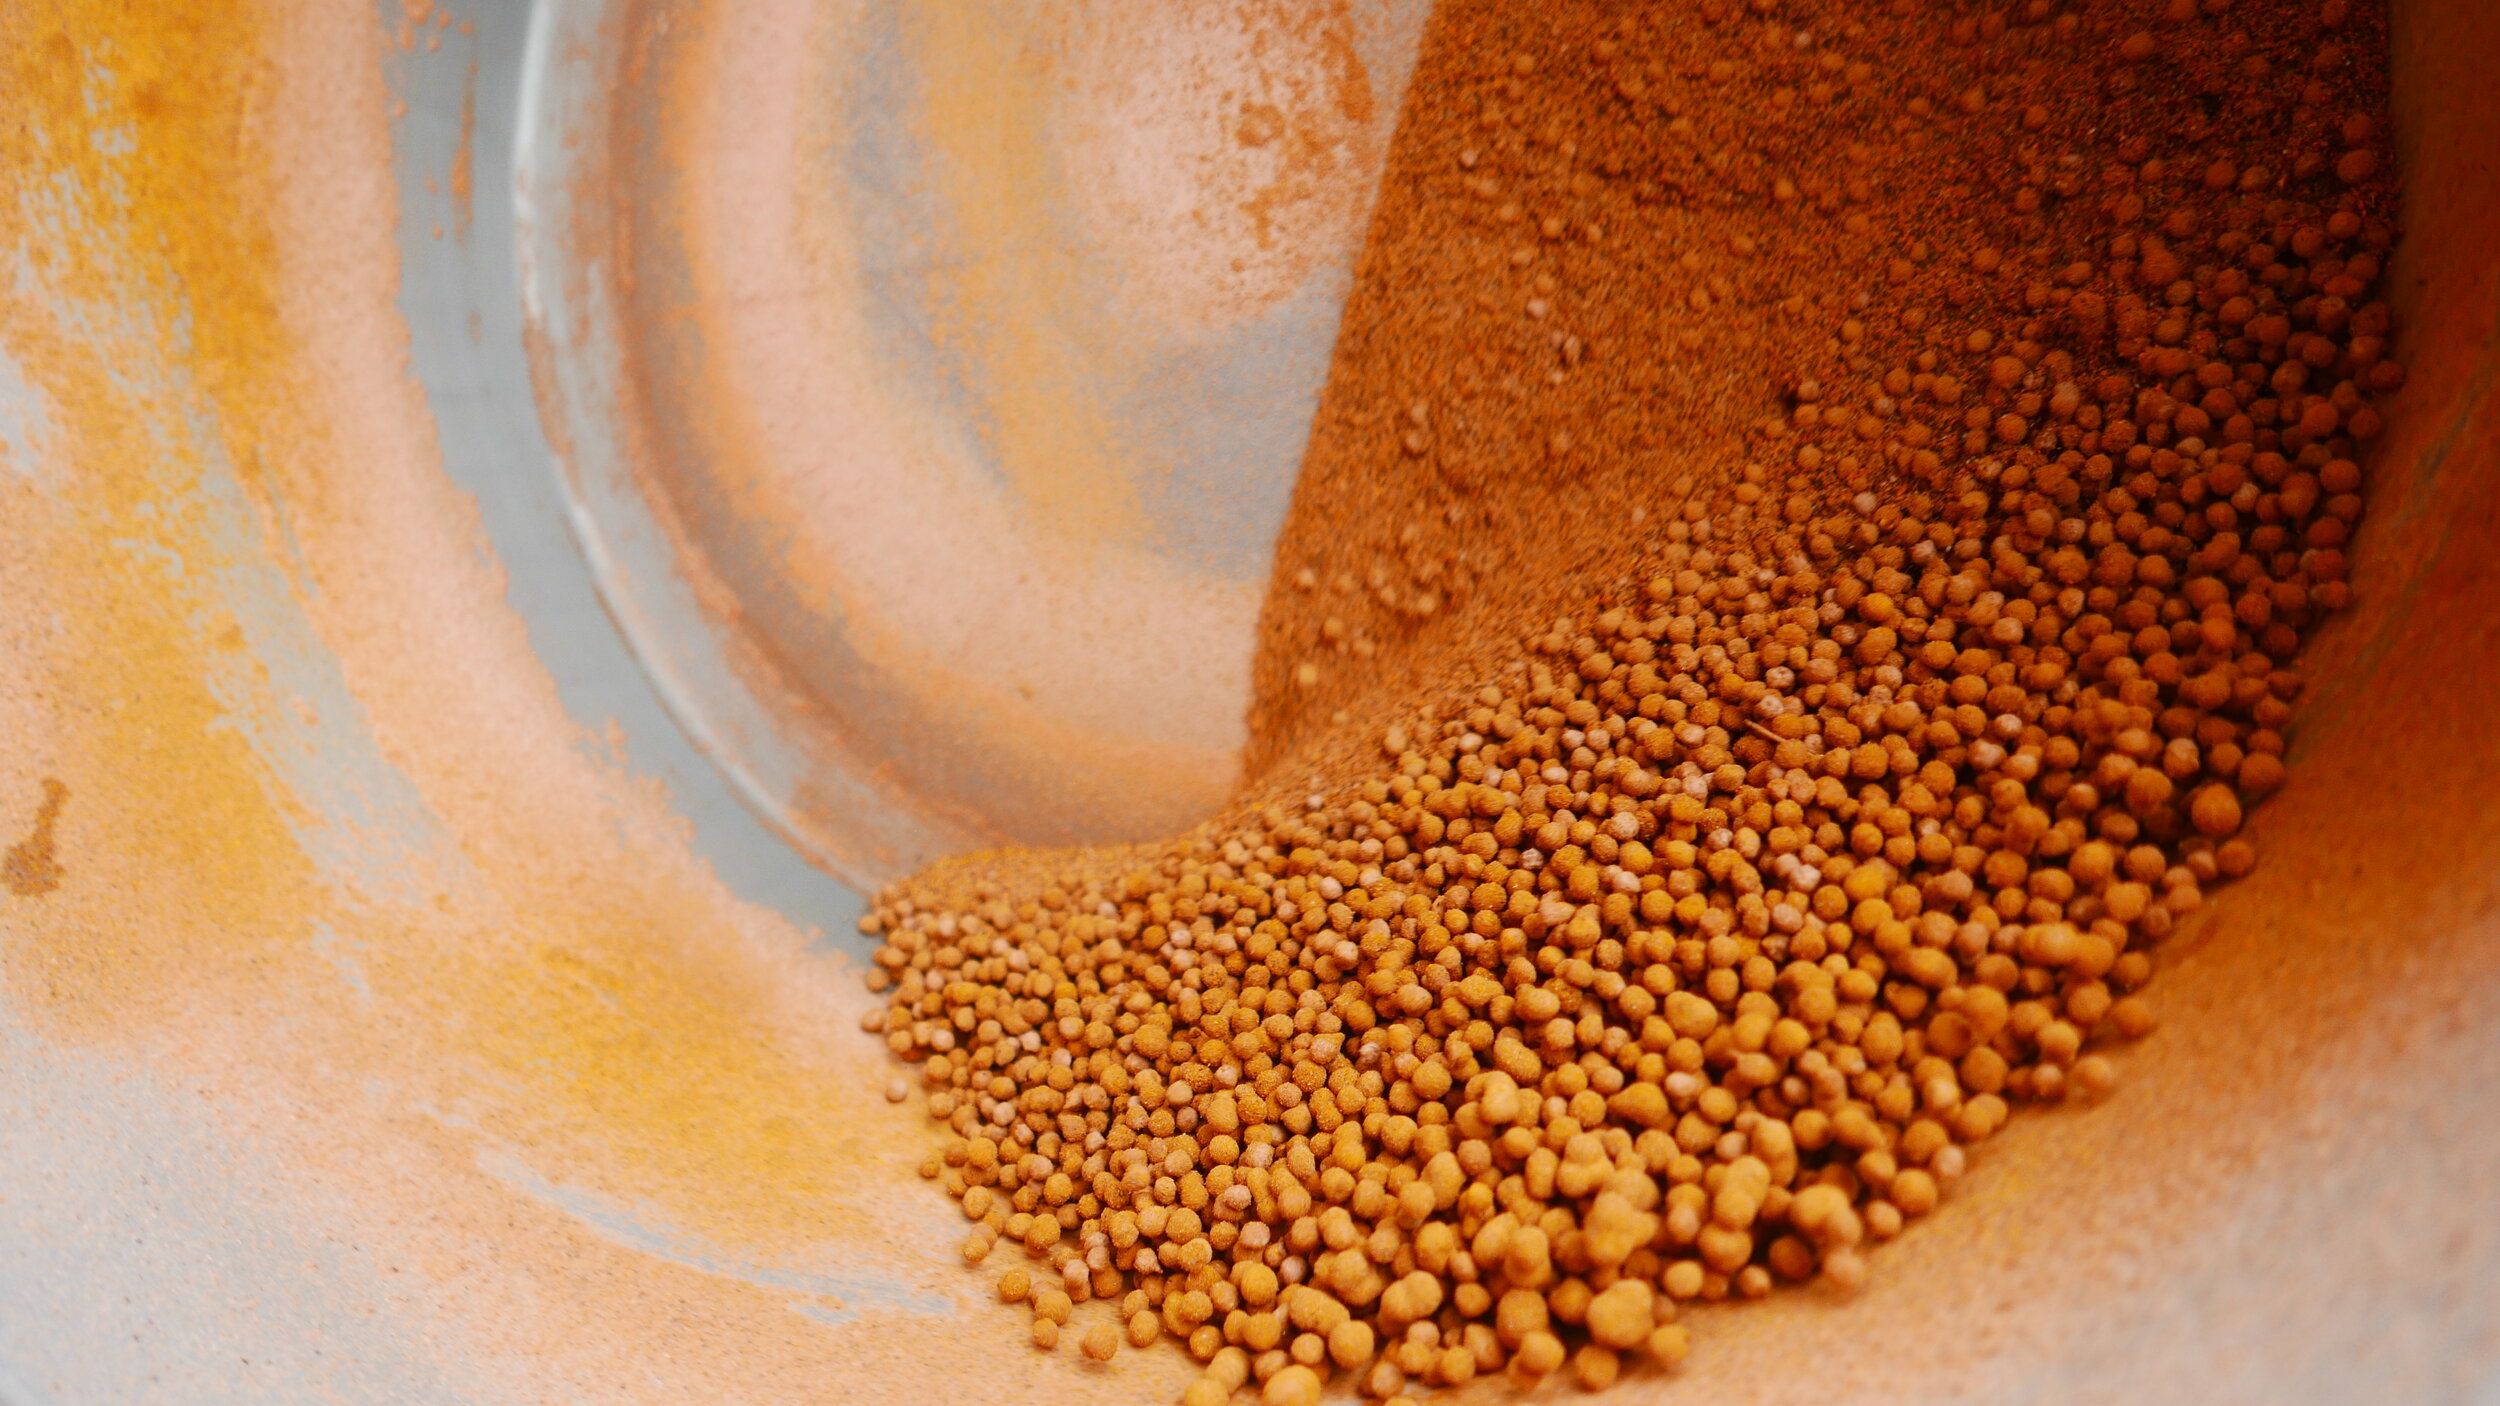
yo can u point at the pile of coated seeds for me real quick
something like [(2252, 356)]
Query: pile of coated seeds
[(1698, 947)]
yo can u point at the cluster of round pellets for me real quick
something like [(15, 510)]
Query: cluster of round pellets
[(1615, 244), (1696, 945)]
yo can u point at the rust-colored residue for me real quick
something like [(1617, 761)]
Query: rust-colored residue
[(464, 159), (31, 867)]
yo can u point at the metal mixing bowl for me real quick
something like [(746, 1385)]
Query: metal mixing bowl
[(507, 498)]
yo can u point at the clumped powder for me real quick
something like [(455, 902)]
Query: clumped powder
[(32, 867), (1796, 583)]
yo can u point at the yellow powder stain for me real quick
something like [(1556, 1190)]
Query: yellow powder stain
[(646, 1078), (1007, 296), (605, 1026), (125, 119)]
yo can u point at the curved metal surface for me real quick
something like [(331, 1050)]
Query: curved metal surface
[(931, 380)]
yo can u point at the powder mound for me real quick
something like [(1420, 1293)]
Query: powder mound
[(1813, 793)]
